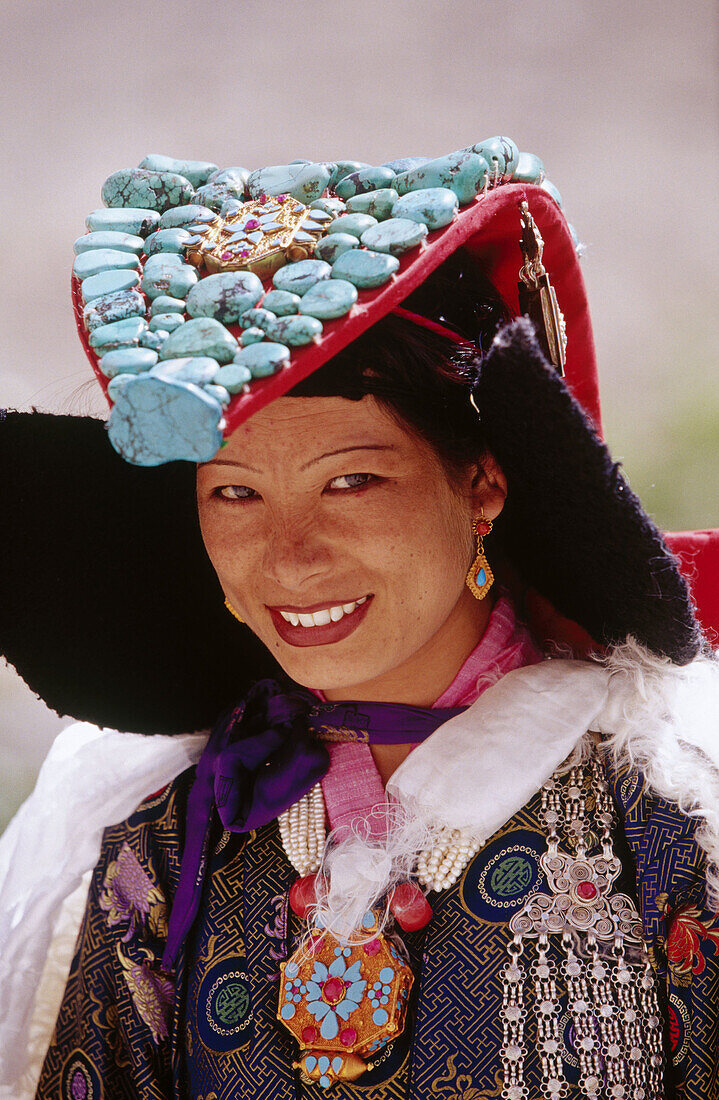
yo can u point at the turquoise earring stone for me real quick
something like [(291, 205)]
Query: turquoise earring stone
[(481, 577)]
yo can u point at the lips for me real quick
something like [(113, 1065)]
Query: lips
[(326, 634)]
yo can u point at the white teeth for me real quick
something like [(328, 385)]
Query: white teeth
[(323, 617)]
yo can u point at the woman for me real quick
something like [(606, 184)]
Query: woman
[(517, 895)]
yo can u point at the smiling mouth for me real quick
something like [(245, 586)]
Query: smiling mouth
[(324, 616)]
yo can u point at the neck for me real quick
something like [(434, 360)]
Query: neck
[(421, 679)]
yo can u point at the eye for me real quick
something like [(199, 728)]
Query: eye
[(235, 492), (351, 481)]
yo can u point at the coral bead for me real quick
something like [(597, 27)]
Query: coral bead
[(409, 907), (303, 895)]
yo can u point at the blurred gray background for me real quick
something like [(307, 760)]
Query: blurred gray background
[(620, 101)]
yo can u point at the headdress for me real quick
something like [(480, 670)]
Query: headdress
[(203, 294)]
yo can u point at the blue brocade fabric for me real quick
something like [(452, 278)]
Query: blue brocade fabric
[(126, 1030)]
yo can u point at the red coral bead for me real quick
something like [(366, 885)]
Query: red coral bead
[(303, 895), (409, 907)]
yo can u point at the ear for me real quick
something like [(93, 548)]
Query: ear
[(489, 488)]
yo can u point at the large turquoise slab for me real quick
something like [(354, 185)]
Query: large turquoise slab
[(251, 335), (113, 307), (234, 377), (104, 259), (108, 238), (333, 207), (167, 240), (154, 340), (199, 369), (215, 195), (396, 236), (123, 220), (263, 360), (434, 206), (550, 188), (345, 168), (305, 182), (180, 217), (166, 274), (333, 245), (500, 153), (166, 322), (200, 336), (364, 269), (127, 361), (281, 302), (376, 203), (328, 299), (529, 169), (166, 304), (225, 296), (299, 277), (367, 179), (294, 331), (152, 190), (118, 334), (463, 172), (258, 317), (196, 171), (354, 224), (405, 164), (108, 282), (157, 420), (236, 177)]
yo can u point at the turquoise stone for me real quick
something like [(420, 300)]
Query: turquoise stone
[(235, 177), (354, 224), (334, 207), (396, 236), (328, 299), (295, 331), (529, 169), (333, 245), (225, 296), (131, 220), (156, 420), (120, 242), (481, 578), (500, 152), (198, 369), (166, 304), (118, 334), (167, 240), (345, 168), (108, 282), (166, 274), (127, 361), (463, 172), (435, 206), (367, 179), (305, 182), (196, 171), (116, 384), (405, 164), (113, 307), (218, 392), (281, 302), (104, 259), (231, 206), (200, 336), (264, 359), (377, 203), (299, 277), (365, 269), (215, 195), (259, 317), (166, 322), (153, 340), (180, 217), (153, 190), (251, 335), (233, 377), (549, 187)]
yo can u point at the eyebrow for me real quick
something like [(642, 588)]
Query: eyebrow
[(312, 461)]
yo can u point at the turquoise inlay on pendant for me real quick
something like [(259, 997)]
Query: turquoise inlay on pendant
[(481, 577)]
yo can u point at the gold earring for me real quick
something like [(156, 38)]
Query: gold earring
[(232, 611), (480, 577)]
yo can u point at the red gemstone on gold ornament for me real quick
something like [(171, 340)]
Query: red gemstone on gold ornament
[(371, 948), (333, 990), (587, 891), (348, 1037), (309, 1034), (409, 907)]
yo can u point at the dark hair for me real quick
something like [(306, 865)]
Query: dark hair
[(423, 378)]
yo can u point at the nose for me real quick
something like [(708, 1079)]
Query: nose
[(296, 553)]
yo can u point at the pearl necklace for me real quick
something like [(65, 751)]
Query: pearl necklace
[(303, 834)]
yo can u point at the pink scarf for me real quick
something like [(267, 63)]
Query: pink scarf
[(352, 786)]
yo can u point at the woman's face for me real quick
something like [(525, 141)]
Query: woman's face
[(340, 541)]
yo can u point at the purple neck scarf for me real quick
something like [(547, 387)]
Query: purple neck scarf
[(265, 755)]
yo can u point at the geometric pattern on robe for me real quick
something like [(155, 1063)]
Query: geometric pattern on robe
[(122, 1032)]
